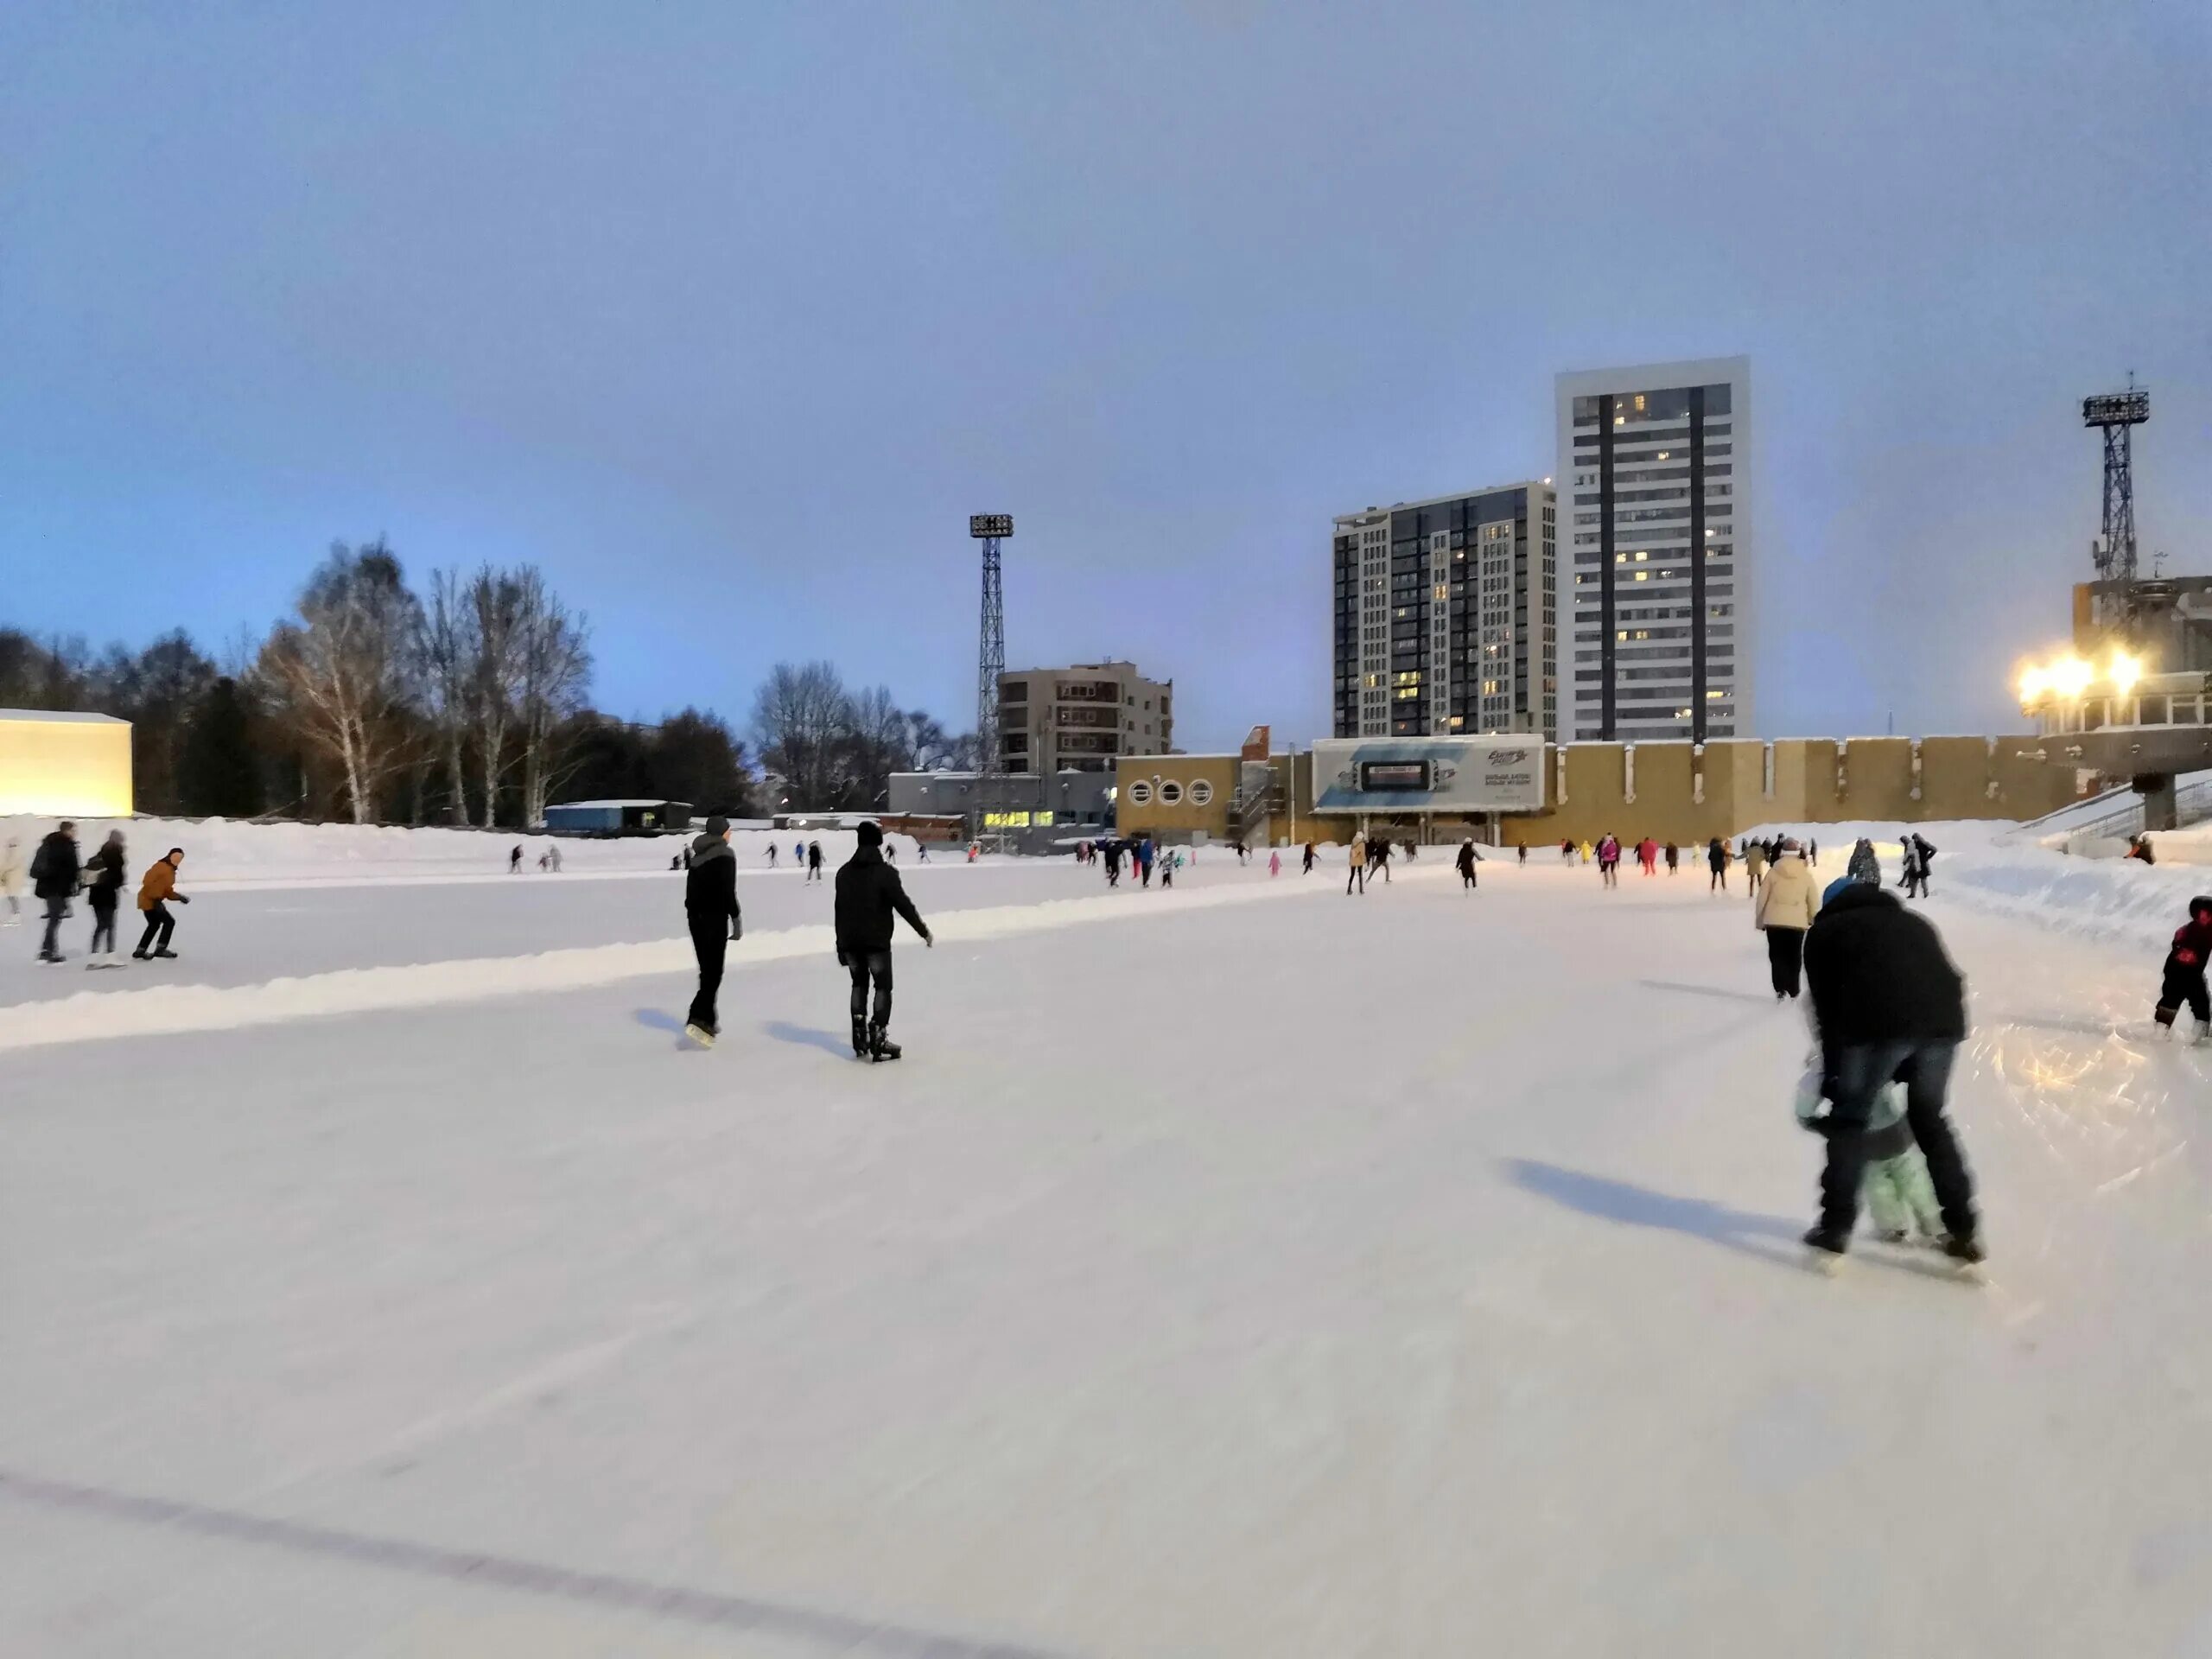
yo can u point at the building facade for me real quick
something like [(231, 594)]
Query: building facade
[(1446, 615), (1654, 465), (1082, 718)]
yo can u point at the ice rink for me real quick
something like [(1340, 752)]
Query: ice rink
[(1244, 1269)]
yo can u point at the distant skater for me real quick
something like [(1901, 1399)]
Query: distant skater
[(1716, 859), (814, 860), (1274, 865), (1357, 878), (772, 854), (1307, 868), (1467, 859), (1674, 858), (2182, 980), (514, 862), (56, 871), (11, 878)]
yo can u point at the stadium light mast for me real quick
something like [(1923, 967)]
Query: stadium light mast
[(2117, 415), (990, 529)]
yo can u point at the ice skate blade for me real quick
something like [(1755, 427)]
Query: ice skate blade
[(1827, 1263), (700, 1035)]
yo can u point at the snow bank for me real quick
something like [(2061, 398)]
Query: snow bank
[(1985, 866), (171, 1009), (221, 852)]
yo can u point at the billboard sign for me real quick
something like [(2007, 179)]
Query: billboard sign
[(1429, 774)]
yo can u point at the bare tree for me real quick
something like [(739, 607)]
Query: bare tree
[(343, 668), (798, 715), (554, 654), (449, 657), (495, 605)]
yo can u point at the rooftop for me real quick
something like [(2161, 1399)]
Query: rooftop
[(60, 714)]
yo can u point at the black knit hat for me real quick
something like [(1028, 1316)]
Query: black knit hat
[(870, 834)]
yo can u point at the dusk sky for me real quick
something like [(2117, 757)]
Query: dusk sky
[(730, 315)]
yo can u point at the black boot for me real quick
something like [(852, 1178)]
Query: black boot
[(881, 1048), (860, 1038), (1827, 1241), (1965, 1250)]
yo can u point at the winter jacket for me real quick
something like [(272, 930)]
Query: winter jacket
[(1468, 858), (11, 868), (104, 874), (1755, 858), (1716, 856), (1787, 897), (710, 884), (55, 868), (2192, 945), (160, 885), (869, 893), (1878, 973), (1863, 866), (1358, 855)]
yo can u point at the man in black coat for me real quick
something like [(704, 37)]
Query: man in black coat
[(869, 893), (710, 908), (1891, 1007), (56, 872)]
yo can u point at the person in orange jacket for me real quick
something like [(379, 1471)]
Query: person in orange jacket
[(154, 895)]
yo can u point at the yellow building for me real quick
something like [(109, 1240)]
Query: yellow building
[(64, 765)]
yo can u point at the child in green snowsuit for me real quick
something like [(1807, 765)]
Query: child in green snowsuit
[(1898, 1196)]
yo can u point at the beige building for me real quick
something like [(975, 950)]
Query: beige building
[(1081, 718), (64, 765)]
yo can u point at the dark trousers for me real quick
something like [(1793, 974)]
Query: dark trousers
[(103, 924), (1719, 880), (1925, 1070), (1467, 877), (710, 944), (867, 968), (1359, 874), (2185, 985), (1785, 958), (158, 921), (55, 910)]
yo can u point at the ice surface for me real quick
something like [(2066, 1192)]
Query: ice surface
[(1240, 1270)]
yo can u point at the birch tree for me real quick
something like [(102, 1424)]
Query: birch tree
[(342, 667), (495, 608), (450, 654), (553, 659)]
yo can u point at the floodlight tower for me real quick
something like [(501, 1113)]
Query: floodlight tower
[(990, 529), (2117, 415)]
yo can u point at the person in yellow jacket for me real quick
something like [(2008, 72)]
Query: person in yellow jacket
[(1784, 908), (1358, 864), (154, 895)]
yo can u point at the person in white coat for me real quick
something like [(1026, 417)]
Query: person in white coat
[(11, 879), (1784, 909)]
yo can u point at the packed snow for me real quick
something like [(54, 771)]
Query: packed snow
[(1238, 1268)]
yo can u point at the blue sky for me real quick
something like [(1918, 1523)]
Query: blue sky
[(728, 315)]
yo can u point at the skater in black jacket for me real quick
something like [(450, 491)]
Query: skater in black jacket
[(1468, 859), (1889, 1008), (2184, 970), (56, 874), (104, 874), (869, 893), (710, 910)]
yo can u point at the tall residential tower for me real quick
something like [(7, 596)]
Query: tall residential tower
[(1445, 618), (1653, 465)]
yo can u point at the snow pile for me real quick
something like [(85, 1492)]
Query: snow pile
[(1987, 866), (221, 852)]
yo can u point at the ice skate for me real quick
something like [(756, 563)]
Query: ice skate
[(860, 1040), (881, 1048), (1824, 1250), (702, 1035)]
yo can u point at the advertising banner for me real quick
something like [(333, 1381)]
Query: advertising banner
[(1428, 774)]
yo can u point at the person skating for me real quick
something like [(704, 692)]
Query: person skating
[(1521, 852), (56, 873), (922, 852), (1900, 1199), (1755, 863), (1166, 868), (814, 860), (711, 912), (553, 853), (514, 862), (1674, 858), (11, 879), (1113, 863), (869, 895), (1306, 868), (1274, 865), (1609, 859), (1467, 859), (104, 877), (772, 854), (2183, 980), (1919, 854), (1784, 909), (1813, 855), (1144, 856), (1566, 852), (1357, 859), (155, 894), (1864, 866), (1889, 1008)]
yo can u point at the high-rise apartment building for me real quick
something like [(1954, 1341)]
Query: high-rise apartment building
[(1653, 468), (1446, 615), (1079, 718)]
